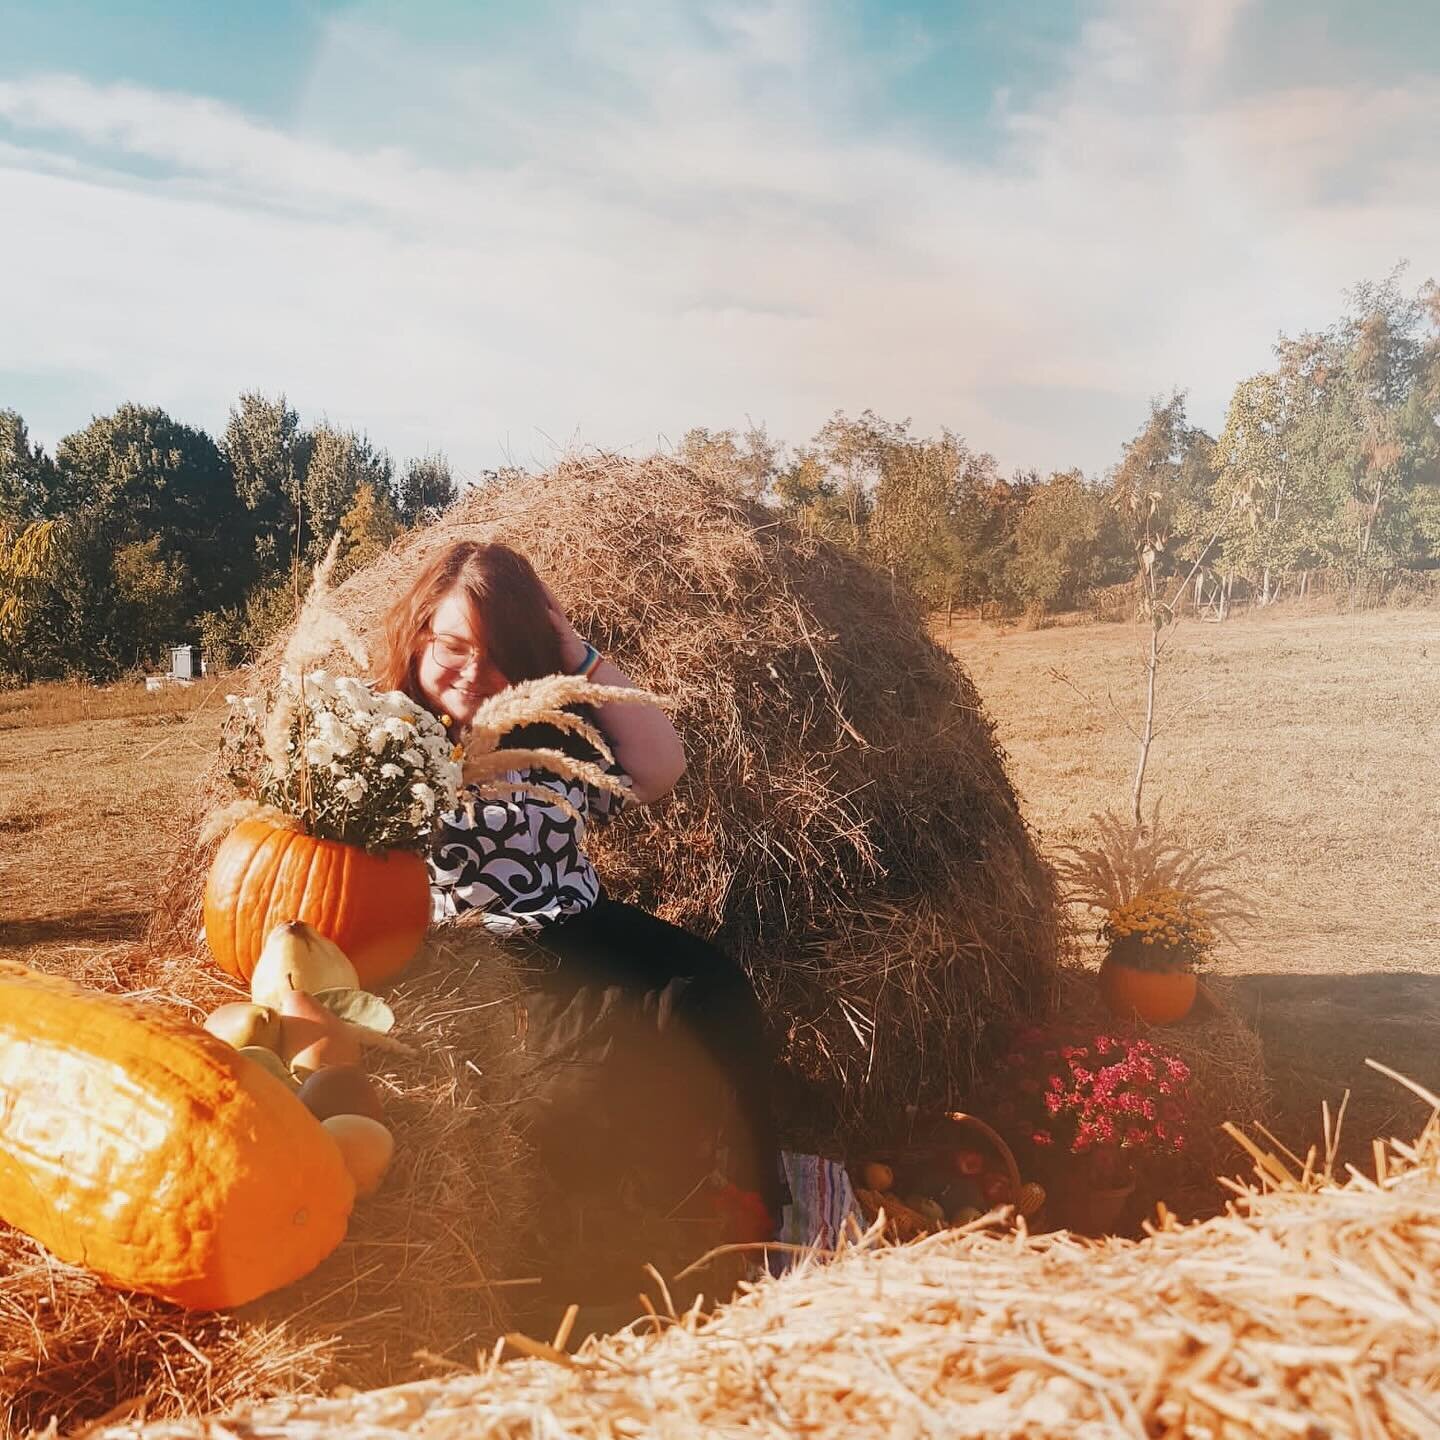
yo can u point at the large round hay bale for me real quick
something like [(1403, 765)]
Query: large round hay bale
[(846, 827)]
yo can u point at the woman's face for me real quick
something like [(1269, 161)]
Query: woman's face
[(455, 673)]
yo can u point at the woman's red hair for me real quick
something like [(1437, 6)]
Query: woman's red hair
[(510, 608)]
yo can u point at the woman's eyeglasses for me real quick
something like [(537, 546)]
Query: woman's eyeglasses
[(453, 653)]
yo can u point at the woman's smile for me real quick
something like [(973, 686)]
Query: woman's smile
[(456, 673)]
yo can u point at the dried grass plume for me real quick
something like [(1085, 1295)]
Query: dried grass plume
[(1129, 860)]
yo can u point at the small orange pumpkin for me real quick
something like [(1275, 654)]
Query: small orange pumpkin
[(375, 907), (1159, 997), (136, 1144)]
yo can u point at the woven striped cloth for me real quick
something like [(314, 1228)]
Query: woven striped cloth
[(821, 1203)]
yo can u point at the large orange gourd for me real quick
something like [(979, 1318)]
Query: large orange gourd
[(375, 907), (137, 1145)]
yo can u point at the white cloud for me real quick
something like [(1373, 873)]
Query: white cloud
[(697, 242)]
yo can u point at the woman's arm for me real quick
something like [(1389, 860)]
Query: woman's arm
[(644, 741)]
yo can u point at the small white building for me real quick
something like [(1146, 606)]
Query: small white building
[(187, 664)]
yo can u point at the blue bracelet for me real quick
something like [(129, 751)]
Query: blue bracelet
[(588, 664)]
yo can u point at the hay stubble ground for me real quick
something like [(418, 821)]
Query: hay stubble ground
[(1309, 743)]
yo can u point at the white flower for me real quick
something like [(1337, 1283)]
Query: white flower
[(377, 739), (352, 788), (425, 795), (318, 750), (412, 757), (398, 703), (358, 697), (449, 777), (339, 736), (390, 771)]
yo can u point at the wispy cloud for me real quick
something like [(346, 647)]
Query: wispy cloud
[(695, 234)]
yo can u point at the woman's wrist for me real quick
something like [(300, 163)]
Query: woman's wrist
[(588, 663), (573, 652)]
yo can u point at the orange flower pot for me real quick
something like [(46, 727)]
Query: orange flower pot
[(1159, 997)]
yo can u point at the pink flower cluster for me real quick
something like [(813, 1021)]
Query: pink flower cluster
[(1095, 1092)]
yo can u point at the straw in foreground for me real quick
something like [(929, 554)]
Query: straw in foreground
[(1310, 1308)]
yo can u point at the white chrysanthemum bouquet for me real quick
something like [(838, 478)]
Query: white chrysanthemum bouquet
[(350, 764)]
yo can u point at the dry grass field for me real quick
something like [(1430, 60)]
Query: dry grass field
[(1308, 745), (91, 781)]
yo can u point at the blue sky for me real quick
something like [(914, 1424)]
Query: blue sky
[(500, 230)]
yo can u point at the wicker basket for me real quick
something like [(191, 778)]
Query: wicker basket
[(974, 1126), (928, 1156)]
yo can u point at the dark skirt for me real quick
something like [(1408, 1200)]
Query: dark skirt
[(648, 1040)]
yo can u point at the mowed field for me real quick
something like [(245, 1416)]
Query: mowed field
[(92, 783), (1307, 746)]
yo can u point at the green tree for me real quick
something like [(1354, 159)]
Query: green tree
[(1329, 457), (155, 525), (367, 529), (854, 452), (154, 596), (1163, 476), (340, 463), (940, 518), (236, 634), (267, 455), (1067, 542), (805, 491), (749, 460), (425, 491), (29, 485)]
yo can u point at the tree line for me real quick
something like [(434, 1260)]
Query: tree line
[(142, 531), (1329, 461)]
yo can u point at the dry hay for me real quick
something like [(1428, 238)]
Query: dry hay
[(1310, 1308), (418, 1269), (846, 829)]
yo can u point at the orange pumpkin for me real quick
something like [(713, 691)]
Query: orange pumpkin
[(1159, 997), (139, 1146), (375, 907)]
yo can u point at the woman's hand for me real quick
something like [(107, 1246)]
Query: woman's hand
[(642, 737), (572, 646)]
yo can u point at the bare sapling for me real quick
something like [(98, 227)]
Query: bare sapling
[(1162, 617)]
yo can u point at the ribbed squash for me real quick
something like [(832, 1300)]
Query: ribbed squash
[(137, 1145), (374, 907)]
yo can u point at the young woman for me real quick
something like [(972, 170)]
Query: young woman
[(478, 619)]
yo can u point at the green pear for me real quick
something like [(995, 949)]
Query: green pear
[(297, 957), (242, 1024)]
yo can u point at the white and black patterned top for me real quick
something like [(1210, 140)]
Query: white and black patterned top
[(521, 861)]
